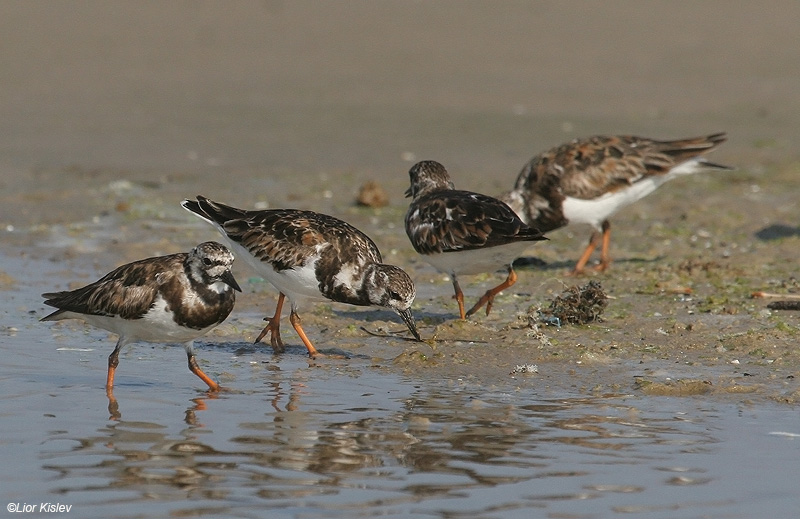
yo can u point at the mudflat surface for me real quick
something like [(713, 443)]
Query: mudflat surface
[(114, 112)]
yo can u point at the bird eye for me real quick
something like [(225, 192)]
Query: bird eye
[(394, 295), (206, 262)]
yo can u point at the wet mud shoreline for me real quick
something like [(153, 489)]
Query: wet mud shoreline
[(680, 319), (109, 134)]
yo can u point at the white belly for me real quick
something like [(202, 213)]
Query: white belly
[(156, 326), (596, 210), (297, 283)]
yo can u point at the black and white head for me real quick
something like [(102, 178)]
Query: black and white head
[(391, 287), (210, 264), (427, 176)]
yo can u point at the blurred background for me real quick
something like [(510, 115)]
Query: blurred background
[(273, 101)]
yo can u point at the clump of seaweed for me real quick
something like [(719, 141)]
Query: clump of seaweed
[(784, 305), (576, 305)]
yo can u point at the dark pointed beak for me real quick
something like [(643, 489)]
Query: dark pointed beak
[(228, 279), (409, 320), (408, 192)]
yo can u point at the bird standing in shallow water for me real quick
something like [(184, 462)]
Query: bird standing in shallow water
[(174, 298), (461, 232), (588, 180), (310, 256)]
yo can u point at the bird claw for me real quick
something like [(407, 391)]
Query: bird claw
[(275, 335)]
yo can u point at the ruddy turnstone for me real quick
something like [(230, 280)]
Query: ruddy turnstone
[(308, 255), (461, 233), (588, 180), (174, 298)]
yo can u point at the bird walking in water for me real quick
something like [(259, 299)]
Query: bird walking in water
[(310, 256), (167, 299)]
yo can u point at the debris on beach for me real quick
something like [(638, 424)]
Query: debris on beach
[(525, 369), (793, 304), (371, 194), (787, 301), (576, 305)]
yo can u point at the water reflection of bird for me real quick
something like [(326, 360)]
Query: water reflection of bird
[(588, 180), (174, 298), (310, 256)]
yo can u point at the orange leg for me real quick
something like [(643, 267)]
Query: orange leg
[(594, 241), (488, 298), (295, 320), (274, 328), (113, 362), (113, 406), (605, 260), (459, 298), (110, 378), (194, 368)]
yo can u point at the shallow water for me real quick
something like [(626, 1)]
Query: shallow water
[(354, 438)]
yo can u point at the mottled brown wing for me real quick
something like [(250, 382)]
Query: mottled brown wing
[(588, 168), (128, 291), (539, 182), (462, 220), (285, 237)]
